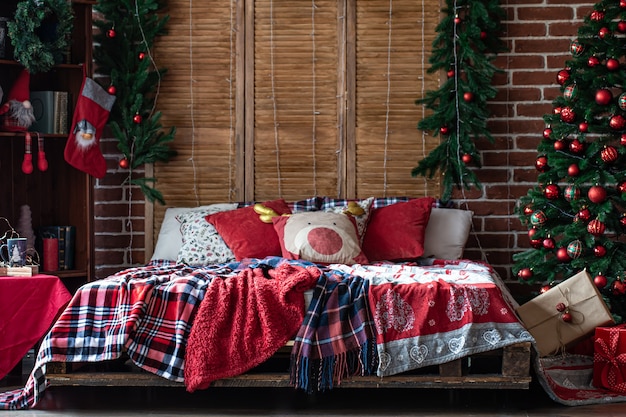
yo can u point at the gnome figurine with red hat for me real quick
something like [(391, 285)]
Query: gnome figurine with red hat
[(17, 107)]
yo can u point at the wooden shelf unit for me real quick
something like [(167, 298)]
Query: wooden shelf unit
[(62, 195)]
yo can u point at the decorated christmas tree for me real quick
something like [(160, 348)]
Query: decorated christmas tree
[(465, 47), (123, 52), (576, 215)]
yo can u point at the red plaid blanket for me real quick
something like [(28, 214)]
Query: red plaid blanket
[(146, 312)]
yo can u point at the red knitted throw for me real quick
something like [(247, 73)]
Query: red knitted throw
[(243, 320)]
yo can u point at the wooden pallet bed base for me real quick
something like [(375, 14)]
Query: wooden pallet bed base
[(512, 363)]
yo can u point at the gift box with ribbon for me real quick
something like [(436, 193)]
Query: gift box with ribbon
[(609, 358), (565, 314)]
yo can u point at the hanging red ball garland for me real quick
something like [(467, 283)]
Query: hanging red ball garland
[(124, 163)]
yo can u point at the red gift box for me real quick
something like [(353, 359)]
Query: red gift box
[(609, 358)]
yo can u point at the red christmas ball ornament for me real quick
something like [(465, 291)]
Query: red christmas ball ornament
[(584, 214), (534, 242), (560, 145), (596, 227), (604, 33), (112, 90), (576, 48), (621, 187), (612, 64), (576, 146), (566, 317), (609, 154), (600, 281), (457, 20), (599, 251), (141, 56), (583, 127), (483, 35), (468, 96), (466, 158), (444, 130), (622, 220), (622, 139), (547, 132), (528, 209), (561, 255), (552, 191), (568, 115), (617, 122), (596, 194), (123, 163), (525, 274), (604, 97), (621, 26), (562, 76), (618, 288), (597, 15), (450, 73), (573, 170), (541, 164), (622, 4), (137, 119), (111, 33), (548, 243), (561, 307), (593, 61), (545, 289), (557, 110)]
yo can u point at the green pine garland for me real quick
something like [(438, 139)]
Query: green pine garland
[(39, 54), (465, 47), (122, 51)]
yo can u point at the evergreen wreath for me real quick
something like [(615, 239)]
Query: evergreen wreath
[(35, 46)]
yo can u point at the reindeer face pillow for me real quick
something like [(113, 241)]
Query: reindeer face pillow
[(319, 237)]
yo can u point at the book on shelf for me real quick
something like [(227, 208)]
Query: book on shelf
[(57, 245), (50, 109)]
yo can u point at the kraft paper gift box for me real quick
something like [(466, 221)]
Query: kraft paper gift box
[(609, 358), (577, 296)]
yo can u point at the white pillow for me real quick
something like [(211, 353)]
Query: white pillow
[(447, 232), (170, 239)]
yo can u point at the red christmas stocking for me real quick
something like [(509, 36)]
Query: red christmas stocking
[(82, 149)]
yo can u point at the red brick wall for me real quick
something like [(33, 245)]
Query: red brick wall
[(538, 33)]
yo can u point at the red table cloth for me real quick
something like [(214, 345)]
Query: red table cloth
[(28, 307)]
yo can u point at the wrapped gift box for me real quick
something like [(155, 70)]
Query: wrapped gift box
[(544, 315), (609, 358)]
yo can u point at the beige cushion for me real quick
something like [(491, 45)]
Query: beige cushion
[(447, 232)]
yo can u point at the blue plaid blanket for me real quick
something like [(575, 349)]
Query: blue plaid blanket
[(336, 339)]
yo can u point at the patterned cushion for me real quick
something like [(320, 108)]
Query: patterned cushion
[(340, 205), (321, 237), (201, 244)]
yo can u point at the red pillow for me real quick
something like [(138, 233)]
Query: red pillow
[(396, 232), (244, 232)]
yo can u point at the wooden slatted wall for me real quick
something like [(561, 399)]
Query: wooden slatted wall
[(294, 98)]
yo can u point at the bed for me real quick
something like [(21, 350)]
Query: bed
[(362, 293)]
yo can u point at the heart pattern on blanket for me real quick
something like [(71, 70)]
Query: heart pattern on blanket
[(419, 353), (456, 344), (384, 360), (492, 337)]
